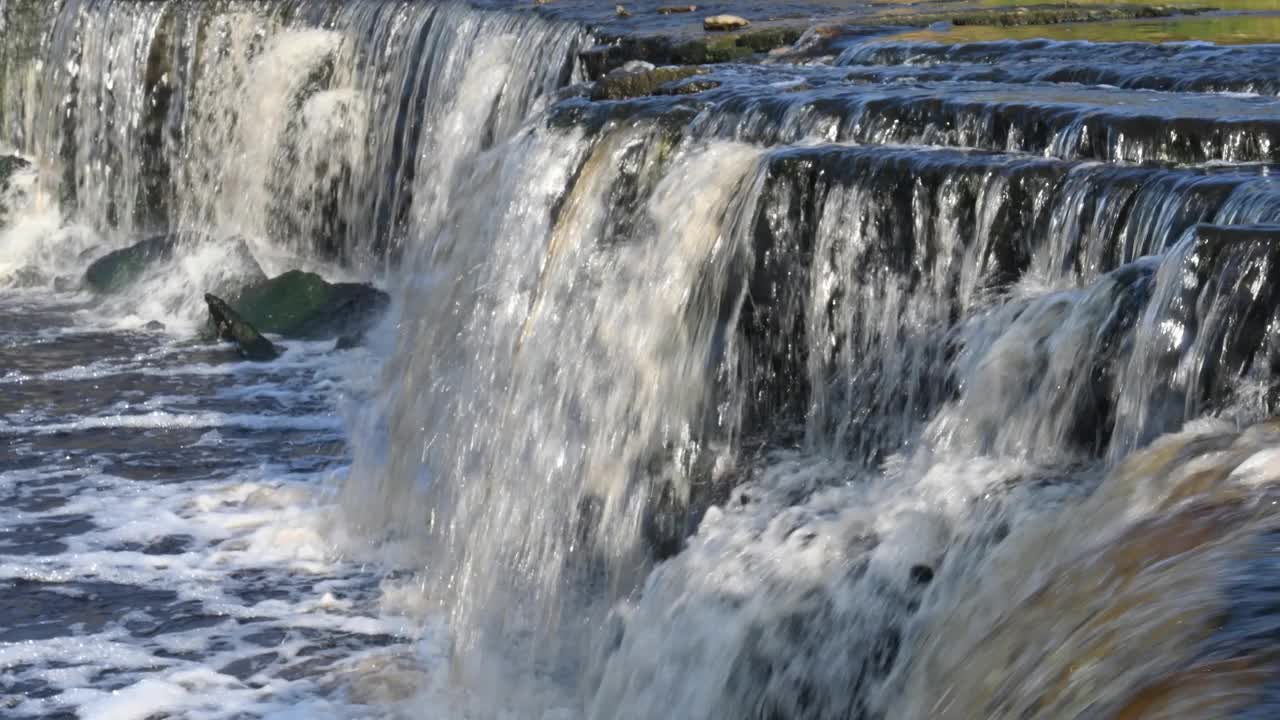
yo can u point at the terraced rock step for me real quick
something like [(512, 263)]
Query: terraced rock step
[(1132, 65), (903, 238), (1066, 121), (652, 35)]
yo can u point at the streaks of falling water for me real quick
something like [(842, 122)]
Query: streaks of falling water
[(569, 383), (1012, 292), (304, 125)]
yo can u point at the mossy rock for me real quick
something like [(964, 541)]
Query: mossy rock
[(304, 305), (624, 85), (119, 269), (614, 52), (734, 47)]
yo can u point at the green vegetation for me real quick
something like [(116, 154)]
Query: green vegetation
[(1222, 29), (1036, 15), (1215, 4)]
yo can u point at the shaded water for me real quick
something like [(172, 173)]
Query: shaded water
[(910, 381)]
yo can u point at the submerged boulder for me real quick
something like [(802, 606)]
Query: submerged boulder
[(117, 270), (228, 325), (304, 305), (120, 268)]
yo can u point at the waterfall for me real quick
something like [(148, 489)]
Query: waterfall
[(919, 380), (310, 128)]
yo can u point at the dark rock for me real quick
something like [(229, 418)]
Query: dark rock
[(10, 164), (685, 50), (154, 326), (921, 574), (118, 269), (621, 85), (303, 305), (348, 342), (11, 198), (228, 325), (673, 9)]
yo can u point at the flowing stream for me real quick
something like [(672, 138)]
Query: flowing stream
[(900, 381)]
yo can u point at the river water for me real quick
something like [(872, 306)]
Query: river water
[(868, 379)]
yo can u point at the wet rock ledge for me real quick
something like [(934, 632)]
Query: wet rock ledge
[(657, 33)]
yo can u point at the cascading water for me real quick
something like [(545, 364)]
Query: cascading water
[(310, 129), (913, 381)]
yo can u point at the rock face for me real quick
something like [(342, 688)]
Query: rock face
[(717, 23), (117, 270), (303, 305), (228, 325)]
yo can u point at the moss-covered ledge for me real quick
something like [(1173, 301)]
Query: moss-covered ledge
[(702, 48)]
